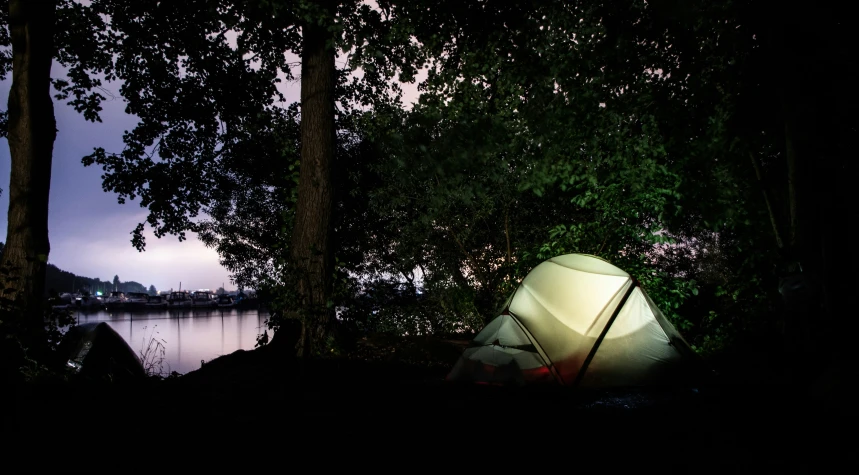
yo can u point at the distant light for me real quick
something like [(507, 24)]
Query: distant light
[(98, 293)]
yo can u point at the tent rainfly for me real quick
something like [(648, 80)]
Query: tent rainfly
[(579, 321)]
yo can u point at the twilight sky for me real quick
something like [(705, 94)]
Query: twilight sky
[(90, 232)]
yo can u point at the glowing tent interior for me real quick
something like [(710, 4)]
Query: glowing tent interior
[(579, 321)]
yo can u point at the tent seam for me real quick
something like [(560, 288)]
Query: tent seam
[(583, 369), (590, 272)]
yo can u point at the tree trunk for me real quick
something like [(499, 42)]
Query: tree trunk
[(31, 133), (311, 239), (818, 122)]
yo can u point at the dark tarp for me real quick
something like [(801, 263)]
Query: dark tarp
[(96, 351)]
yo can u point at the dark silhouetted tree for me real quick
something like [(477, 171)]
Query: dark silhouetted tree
[(205, 107), (39, 33), (31, 130)]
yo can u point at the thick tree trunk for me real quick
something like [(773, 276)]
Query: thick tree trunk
[(311, 239), (800, 287), (818, 117), (31, 133)]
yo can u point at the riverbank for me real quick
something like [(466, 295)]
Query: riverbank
[(395, 394)]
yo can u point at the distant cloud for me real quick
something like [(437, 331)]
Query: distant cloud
[(106, 250), (89, 231)]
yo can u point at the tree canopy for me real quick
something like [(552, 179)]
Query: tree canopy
[(678, 140)]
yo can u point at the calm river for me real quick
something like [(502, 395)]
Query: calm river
[(188, 336)]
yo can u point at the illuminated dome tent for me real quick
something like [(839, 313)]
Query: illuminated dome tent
[(579, 321)]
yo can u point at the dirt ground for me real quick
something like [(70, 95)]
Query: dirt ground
[(391, 390)]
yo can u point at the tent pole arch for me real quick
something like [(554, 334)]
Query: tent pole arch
[(543, 355), (581, 374)]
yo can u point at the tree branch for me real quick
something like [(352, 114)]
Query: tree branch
[(770, 210), (602, 245), (792, 185), (507, 231), (467, 254)]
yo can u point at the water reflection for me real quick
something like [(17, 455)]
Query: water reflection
[(189, 335)]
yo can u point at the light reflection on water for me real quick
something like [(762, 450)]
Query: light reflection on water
[(189, 336)]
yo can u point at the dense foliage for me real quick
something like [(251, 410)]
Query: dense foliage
[(542, 129), (641, 132)]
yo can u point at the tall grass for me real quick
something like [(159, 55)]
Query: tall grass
[(153, 353)]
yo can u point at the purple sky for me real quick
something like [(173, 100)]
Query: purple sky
[(90, 232)]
